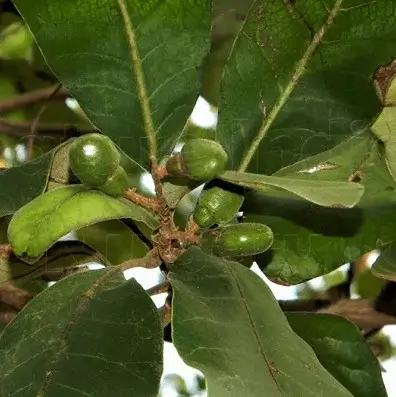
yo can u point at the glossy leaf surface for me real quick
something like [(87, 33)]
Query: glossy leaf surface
[(133, 66), (227, 324)]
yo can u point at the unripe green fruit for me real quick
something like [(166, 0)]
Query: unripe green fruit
[(117, 184), (244, 239), (200, 159), (217, 206), (93, 158)]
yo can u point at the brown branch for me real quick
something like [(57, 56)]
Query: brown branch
[(49, 130), (7, 313), (361, 312), (165, 314), (33, 130), (13, 296), (29, 98), (159, 288)]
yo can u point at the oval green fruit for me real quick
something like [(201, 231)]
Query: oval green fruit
[(93, 158), (200, 159), (117, 184), (244, 239), (203, 158), (217, 206)]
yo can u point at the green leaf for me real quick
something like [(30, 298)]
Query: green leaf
[(385, 264), (62, 255), (324, 193), (16, 42), (311, 240), (366, 285), (342, 350), (115, 240), (227, 324), (298, 81), (133, 66), (37, 225), (384, 128), (91, 334), (19, 185), (228, 16)]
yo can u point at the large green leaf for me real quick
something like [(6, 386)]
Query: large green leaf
[(324, 193), (311, 240), (298, 79), (114, 239), (132, 65), (227, 323), (91, 334), (342, 350), (37, 225), (19, 185)]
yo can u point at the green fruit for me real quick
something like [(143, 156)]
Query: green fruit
[(93, 158), (200, 159), (244, 239), (217, 206), (117, 184)]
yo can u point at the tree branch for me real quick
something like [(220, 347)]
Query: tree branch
[(22, 129), (29, 98), (361, 312)]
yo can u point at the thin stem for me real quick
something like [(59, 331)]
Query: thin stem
[(165, 315), (141, 85), (51, 130), (33, 130), (267, 121), (159, 288)]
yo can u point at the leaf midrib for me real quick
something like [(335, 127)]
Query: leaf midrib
[(137, 68), (84, 301), (295, 78), (253, 327)]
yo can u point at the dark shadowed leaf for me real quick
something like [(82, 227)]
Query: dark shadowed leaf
[(61, 256), (227, 324), (301, 73), (19, 185), (91, 334), (36, 226), (324, 193), (126, 62), (311, 240), (342, 350), (115, 240)]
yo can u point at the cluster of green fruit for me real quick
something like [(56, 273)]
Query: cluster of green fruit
[(95, 161), (219, 203)]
